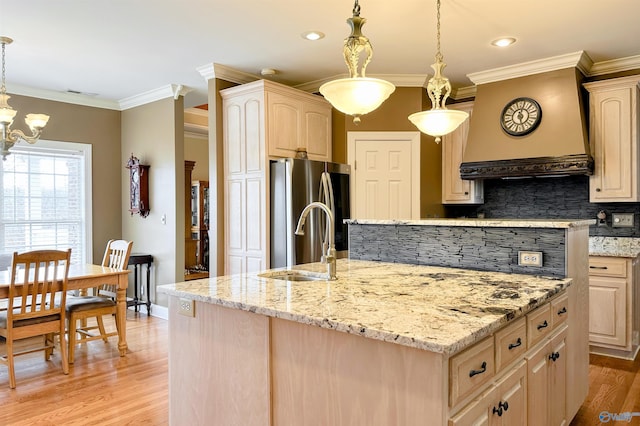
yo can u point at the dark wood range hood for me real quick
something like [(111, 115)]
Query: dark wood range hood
[(559, 146)]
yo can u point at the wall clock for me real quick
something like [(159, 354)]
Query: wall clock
[(138, 187), (520, 116)]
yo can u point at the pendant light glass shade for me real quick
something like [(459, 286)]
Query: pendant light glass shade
[(439, 120), (358, 94)]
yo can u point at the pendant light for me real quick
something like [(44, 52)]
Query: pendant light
[(358, 94), (8, 136), (439, 120)]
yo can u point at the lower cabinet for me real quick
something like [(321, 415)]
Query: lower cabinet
[(504, 403), (614, 305), (527, 383), (546, 375)]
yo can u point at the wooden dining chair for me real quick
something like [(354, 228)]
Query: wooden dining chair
[(36, 305), (102, 302)]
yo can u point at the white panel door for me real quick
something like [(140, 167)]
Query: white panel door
[(385, 174)]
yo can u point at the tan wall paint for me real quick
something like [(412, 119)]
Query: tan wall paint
[(561, 131), (197, 149), (155, 134), (100, 128), (392, 116)]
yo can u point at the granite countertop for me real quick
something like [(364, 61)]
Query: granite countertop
[(437, 309), (614, 246), (496, 223)]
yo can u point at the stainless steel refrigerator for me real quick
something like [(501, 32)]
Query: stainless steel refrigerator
[(294, 184)]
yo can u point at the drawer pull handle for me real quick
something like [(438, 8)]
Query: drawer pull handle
[(598, 267), (483, 368), (504, 405), (563, 310), (497, 411), (554, 356), (543, 325), (516, 344)]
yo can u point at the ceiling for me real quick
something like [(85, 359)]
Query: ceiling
[(118, 49)]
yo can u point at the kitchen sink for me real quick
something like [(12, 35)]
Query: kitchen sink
[(292, 276)]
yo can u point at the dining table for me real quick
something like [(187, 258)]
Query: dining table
[(84, 276)]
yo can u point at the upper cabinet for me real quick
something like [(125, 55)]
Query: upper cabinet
[(297, 120), (613, 136), (454, 189)]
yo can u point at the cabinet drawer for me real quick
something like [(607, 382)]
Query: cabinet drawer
[(608, 266), (559, 310), (538, 324), (470, 369), (510, 343)]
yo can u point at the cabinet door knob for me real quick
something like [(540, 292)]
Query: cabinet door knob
[(504, 405), (598, 190), (466, 193), (516, 344), (562, 311), (554, 356), (483, 368), (497, 411), (543, 325)]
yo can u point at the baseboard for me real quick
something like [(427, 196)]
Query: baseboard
[(156, 311), (615, 353)]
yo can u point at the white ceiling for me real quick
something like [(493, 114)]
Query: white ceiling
[(118, 49)]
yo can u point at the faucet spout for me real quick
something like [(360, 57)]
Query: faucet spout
[(330, 255)]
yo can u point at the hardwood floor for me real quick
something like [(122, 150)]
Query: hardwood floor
[(105, 389), (614, 387), (102, 388)]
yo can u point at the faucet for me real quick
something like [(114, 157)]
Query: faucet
[(328, 257)]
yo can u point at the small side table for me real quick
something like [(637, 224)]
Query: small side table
[(138, 259)]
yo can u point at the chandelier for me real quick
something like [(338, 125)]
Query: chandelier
[(439, 120), (36, 122), (358, 94)]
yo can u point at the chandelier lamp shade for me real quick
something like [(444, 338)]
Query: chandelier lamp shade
[(438, 121), (36, 122), (358, 94)]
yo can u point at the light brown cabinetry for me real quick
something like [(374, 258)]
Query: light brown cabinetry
[(613, 117), (263, 119), (454, 189), (530, 372), (298, 120), (613, 305)]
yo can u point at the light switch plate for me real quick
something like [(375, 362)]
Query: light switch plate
[(622, 220), (530, 258)]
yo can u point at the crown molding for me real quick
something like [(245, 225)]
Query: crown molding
[(197, 111), (196, 131), (577, 59), (464, 93), (168, 91), (227, 73), (615, 65), (66, 97)]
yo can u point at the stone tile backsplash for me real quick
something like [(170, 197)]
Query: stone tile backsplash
[(548, 198)]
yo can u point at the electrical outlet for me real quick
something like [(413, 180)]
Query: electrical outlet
[(187, 307), (622, 220), (530, 258)]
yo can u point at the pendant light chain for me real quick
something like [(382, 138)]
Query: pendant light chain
[(439, 56), (356, 9), (3, 89)]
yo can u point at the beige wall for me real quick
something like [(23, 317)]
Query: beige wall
[(100, 128), (392, 116), (155, 134)]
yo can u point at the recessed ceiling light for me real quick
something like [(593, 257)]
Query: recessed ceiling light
[(503, 42), (313, 35)]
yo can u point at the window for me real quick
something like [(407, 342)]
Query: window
[(46, 199)]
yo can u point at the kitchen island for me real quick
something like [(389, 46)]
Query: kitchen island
[(386, 343)]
